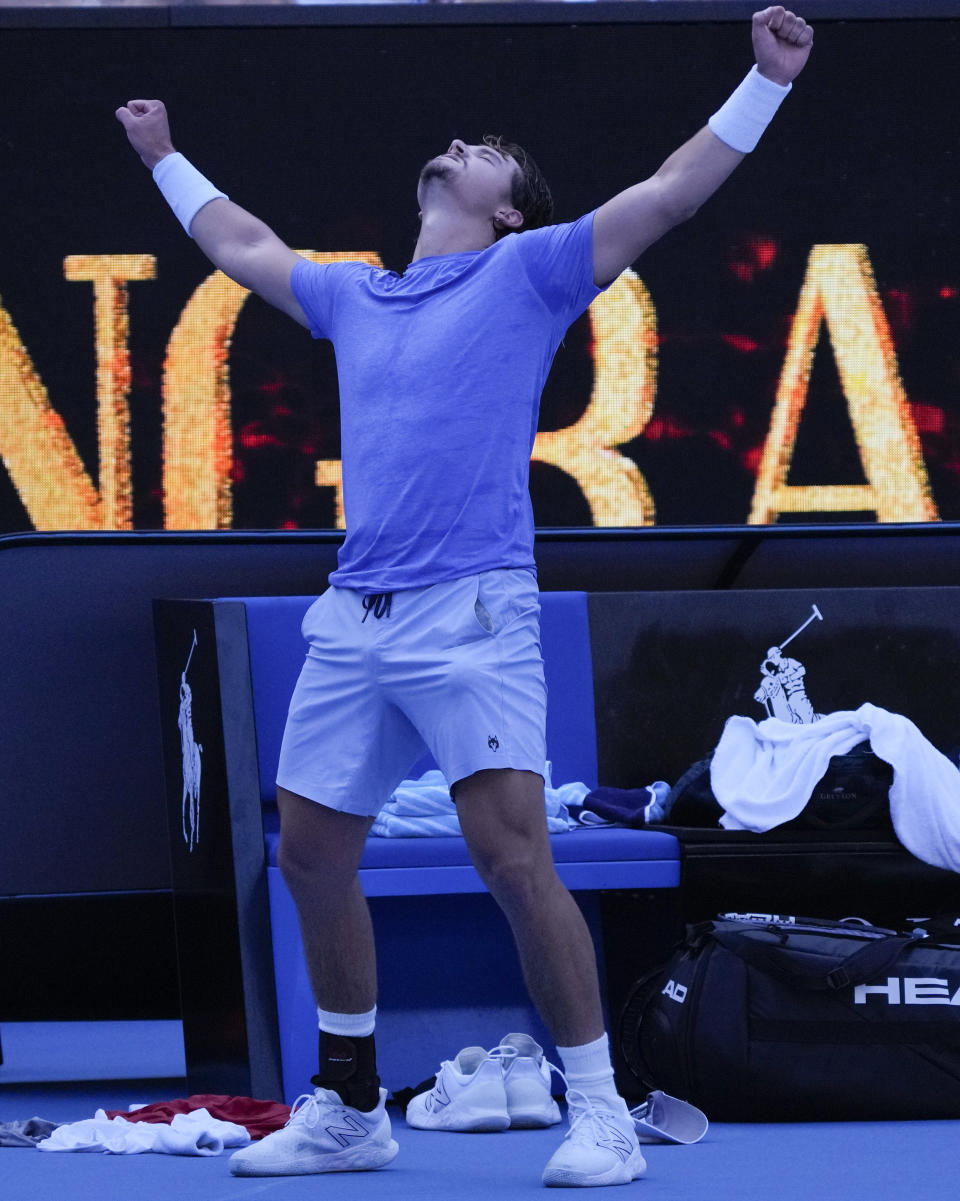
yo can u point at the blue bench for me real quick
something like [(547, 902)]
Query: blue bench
[(447, 973), (429, 922)]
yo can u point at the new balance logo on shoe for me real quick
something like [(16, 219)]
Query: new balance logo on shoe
[(617, 1142), (437, 1097), (350, 1128)]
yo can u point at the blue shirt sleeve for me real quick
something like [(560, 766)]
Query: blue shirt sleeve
[(315, 287), (558, 261)]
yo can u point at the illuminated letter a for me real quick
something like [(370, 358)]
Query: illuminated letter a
[(840, 292)]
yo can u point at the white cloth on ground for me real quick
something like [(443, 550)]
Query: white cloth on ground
[(194, 1133), (424, 808), (764, 774)]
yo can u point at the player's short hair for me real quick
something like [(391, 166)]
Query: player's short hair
[(530, 195)]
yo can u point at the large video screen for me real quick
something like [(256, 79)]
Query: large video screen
[(791, 353)]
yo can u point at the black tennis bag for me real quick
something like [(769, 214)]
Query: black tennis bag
[(758, 1018)]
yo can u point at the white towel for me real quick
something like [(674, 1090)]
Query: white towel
[(764, 774), (194, 1133)]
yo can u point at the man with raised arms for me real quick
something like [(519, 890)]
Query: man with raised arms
[(428, 635)]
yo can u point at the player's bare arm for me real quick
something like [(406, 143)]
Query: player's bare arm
[(633, 220), (241, 245)]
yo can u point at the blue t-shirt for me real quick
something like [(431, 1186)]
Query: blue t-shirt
[(440, 371)]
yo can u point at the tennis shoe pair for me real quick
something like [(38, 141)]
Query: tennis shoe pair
[(507, 1087)]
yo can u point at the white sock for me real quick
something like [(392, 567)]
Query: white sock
[(588, 1068), (348, 1025)]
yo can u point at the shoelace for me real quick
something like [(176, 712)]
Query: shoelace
[(307, 1109), (508, 1054), (377, 603), (505, 1054), (501, 1053), (581, 1109)]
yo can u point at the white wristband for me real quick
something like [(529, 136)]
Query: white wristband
[(184, 188), (742, 119)]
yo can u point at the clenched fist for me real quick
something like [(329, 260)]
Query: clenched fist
[(147, 128), (782, 42)]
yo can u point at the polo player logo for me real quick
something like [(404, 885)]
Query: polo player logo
[(190, 752), (782, 690)]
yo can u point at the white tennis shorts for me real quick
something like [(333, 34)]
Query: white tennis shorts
[(454, 668)]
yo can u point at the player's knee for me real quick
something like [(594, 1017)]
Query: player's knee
[(313, 870), (517, 876), (293, 864)]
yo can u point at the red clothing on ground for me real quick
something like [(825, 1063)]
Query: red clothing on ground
[(259, 1117)]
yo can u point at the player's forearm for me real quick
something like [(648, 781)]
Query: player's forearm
[(697, 169), (242, 246), (228, 235), (231, 238), (626, 225), (184, 188), (692, 174)]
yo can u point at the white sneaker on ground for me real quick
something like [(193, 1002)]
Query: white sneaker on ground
[(600, 1147), (469, 1095), (526, 1078), (322, 1135)]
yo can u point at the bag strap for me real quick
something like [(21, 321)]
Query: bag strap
[(778, 958)]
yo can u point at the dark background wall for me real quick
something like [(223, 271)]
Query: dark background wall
[(81, 772)]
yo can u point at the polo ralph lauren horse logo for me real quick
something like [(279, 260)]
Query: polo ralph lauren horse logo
[(190, 752)]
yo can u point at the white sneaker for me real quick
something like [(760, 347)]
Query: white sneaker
[(599, 1148), (526, 1078), (469, 1095), (322, 1135)]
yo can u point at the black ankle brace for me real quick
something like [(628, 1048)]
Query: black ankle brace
[(348, 1066)]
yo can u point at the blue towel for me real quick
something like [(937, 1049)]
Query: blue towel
[(624, 806)]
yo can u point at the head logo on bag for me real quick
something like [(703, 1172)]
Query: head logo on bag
[(676, 992), (909, 990)]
